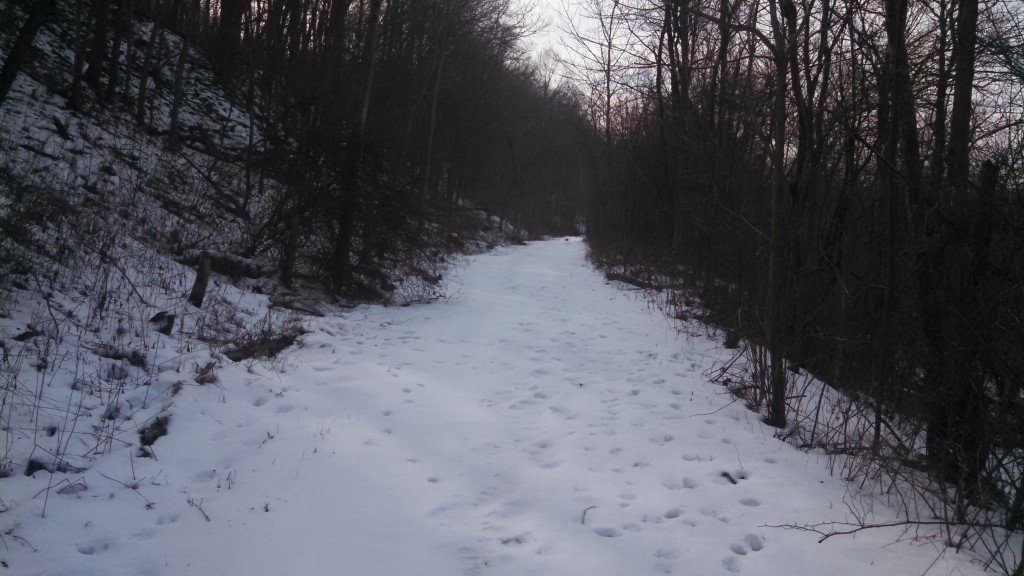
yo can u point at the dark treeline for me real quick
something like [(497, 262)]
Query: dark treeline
[(839, 181), (377, 117)]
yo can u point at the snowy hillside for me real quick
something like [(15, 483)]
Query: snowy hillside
[(537, 421)]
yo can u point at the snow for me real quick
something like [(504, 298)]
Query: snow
[(538, 421)]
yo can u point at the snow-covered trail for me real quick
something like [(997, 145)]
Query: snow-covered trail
[(539, 422)]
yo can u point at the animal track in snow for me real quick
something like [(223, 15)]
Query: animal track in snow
[(751, 543), (516, 540), (752, 502), (712, 513), (143, 535), (755, 542), (667, 554), (662, 440), (607, 532), (91, 548)]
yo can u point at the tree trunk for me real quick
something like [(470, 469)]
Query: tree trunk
[(130, 51), (202, 280), (779, 232), (289, 252), (341, 265), (78, 66), (120, 31), (229, 31), (98, 47), (957, 436), (174, 135), (147, 63), (40, 12)]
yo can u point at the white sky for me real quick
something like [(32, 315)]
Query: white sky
[(551, 36)]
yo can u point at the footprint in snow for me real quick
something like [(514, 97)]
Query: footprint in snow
[(667, 554), (752, 502), (751, 543), (516, 541), (143, 535), (94, 547), (712, 513), (662, 440), (607, 532)]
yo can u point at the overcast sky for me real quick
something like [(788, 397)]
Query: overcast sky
[(549, 11)]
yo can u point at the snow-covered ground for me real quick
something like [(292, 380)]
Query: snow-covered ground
[(540, 421)]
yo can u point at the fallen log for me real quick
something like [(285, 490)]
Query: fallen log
[(639, 283)]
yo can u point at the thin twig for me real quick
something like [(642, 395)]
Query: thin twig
[(583, 519), (855, 528)]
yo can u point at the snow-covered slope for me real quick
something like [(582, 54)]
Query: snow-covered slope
[(537, 422)]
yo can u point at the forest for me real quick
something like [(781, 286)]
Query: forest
[(833, 184), (838, 184), (371, 117)]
